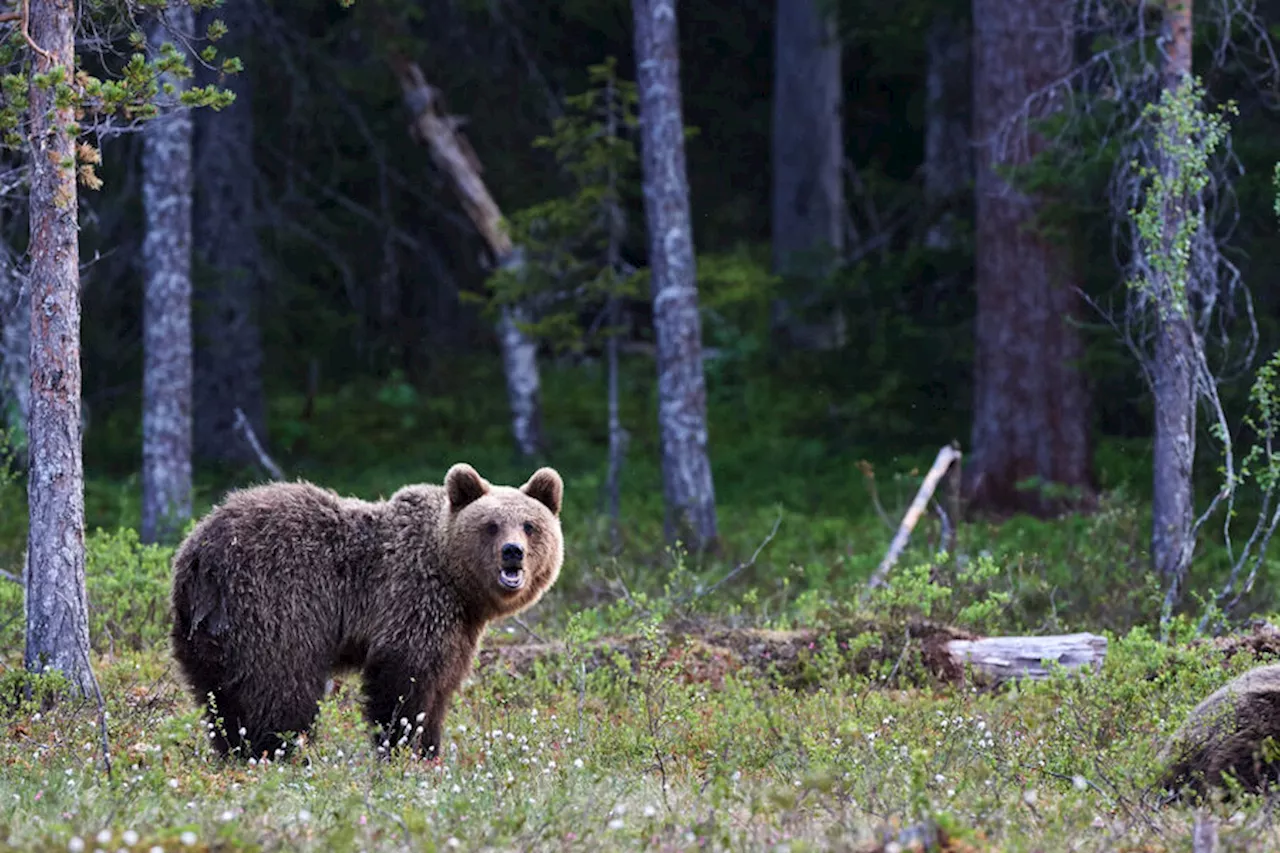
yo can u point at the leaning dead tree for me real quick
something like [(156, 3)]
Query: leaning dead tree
[(455, 158)]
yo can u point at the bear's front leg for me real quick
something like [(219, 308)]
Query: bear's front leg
[(404, 704)]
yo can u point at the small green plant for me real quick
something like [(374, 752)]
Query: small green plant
[(574, 270)]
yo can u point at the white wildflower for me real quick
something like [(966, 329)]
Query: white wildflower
[(188, 838), (129, 838), (76, 844), (104, 837)]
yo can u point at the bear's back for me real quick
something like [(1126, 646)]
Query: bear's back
[(285, 532)]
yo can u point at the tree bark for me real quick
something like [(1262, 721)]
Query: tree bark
[(56, 605), (228, 344), (1173, 372), (15, 372), (166, 335), (999, 659), (682, 396), (948, 162), (456, 159), (1031, 412), (808, 163)]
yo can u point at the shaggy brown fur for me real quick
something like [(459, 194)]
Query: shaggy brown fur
[(285, 583), (1224, 734)]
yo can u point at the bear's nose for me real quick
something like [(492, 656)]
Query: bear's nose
[(512, 553)]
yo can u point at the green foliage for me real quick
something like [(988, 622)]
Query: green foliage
[(1171, 214), (128, 91), (127, 584), (572, 245)]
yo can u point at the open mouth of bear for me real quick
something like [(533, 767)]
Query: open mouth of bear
[(511, 577)]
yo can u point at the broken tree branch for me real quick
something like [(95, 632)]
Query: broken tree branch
[(452, 154), (947, 456), (246, 429)]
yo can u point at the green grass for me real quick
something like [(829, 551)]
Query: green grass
[(640, 755)]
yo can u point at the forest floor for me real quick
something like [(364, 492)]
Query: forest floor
[(628, 711)]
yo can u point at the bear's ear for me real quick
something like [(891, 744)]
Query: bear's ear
[(545, 487), (464, 485)]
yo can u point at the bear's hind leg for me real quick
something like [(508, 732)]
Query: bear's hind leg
[(253, 718), (392, 695)]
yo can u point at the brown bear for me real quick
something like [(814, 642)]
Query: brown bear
[(1224, 734), (284, 583)]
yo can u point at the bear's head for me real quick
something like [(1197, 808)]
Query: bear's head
[(507, 540)]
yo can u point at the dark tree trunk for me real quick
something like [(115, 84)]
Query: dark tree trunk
[(228, 346), (948, 163), (1031, 412), (682, 395), (1173, 371), (166, 336), (808, 164), (56, 605), (15, 372), (617, 436)]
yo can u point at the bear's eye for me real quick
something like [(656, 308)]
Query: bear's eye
[(530, 528), (492, 528)]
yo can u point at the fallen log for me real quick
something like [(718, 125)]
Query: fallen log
[(1008, 658), (946, 654)]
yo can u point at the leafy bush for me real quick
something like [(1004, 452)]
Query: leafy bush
[(127, 583)]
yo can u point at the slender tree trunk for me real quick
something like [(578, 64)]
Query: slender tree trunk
[(56, 605), (1031, 413), (617, 230), (520, 364), (166, 335), (15, 372), (617, 436), (682, 395), (1173, 373), (948, 163), (808, 163), (228, 344)]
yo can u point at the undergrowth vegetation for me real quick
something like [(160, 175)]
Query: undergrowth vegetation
[(646, 749)]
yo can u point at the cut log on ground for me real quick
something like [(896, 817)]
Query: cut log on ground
[(1006, 658), (920, 651)]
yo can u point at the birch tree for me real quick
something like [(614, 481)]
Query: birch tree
[(1185, 313), (682, 395), (166, 255)]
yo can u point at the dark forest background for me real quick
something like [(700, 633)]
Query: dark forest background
[(362, 279)]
